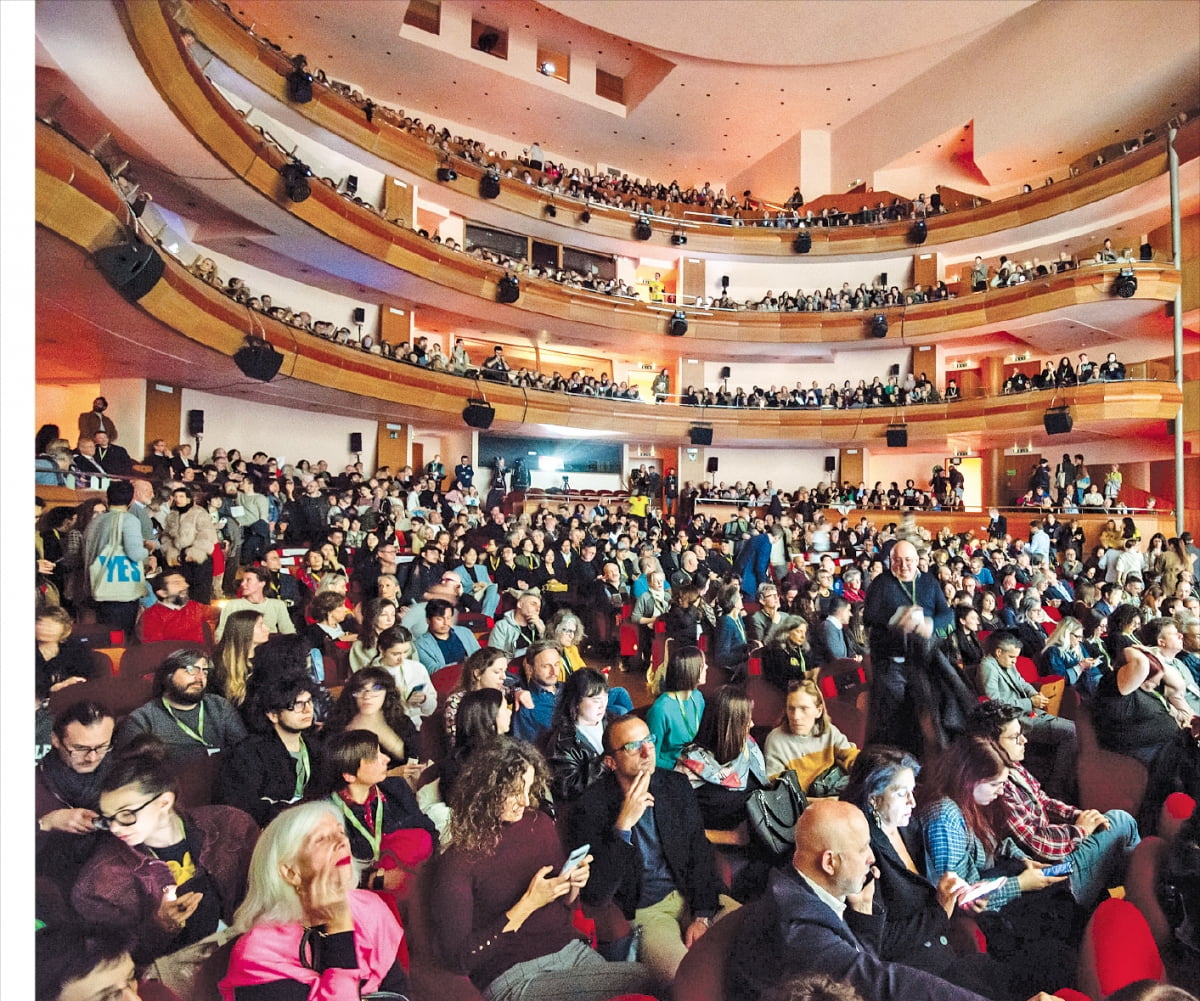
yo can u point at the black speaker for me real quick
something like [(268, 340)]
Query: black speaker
[(195, 423), (918, 233), (830, 463), (897, 436), (489, 185), (479, 414), (356, 441), (642, 229), (1170, 427), (935, 202), (803, 242), (882, 277), (133, 269), (678, 325), (894, 370), (508, 289), (713, 464), (258, 360), (698, 435), (299, 87), (359, 316), (726, 372), (1058, 420), (724, 281), (352, 184), (1147, 252), (879, 325)]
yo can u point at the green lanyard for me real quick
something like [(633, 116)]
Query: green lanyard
[(303, 769), (372, 839), (198, 737)]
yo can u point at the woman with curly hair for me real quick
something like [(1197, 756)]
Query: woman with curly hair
[(501, 903), (371, 701)]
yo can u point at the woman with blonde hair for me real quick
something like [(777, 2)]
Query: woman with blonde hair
[(1064, 655), (245, 631)]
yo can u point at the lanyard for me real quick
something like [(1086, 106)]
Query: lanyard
[(303, 769), (373, 838), (685, 703), (198, 737)]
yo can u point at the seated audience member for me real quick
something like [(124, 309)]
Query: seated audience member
[(389, 835), (520, 627), (501, 907), (674, 716), (785, 658), (575, 744), (305, 931), (760, 623), (1096, 845), (999, 680), (809, 744), (539, 677), (252, 595), (1131, 714), (1064, 655), (378, 614), (480, 594), (567, 630), (328, 611), (277, 764), (651, 856), (167, 876), (183, 714), (482, 714), (233, 660), (67, 801), (724, 763), (485, 668), (443, 643), (60, 661), (836, 641), (732, 646), (882, 784), (77, 962), (1028, 625), (818, 916), (1026, 916), (1164, 640), (174, 616), (371, 701), (961, 645), (395, 647)]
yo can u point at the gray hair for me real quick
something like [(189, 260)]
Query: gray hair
[(269, 898), (782, 627)]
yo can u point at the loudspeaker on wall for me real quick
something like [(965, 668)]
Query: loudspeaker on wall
[(356, 441), (830, 463), (713, 464), (700, 436), (133, 269), (195, 422)]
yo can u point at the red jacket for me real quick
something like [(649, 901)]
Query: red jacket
[(159, 622)]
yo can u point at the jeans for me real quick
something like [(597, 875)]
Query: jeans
[(575, 972), (1099, 862)]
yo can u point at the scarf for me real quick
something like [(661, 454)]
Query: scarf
[(69, 786)]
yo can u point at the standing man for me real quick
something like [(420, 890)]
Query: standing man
[(904, 610), (91, 421), (113, 459), (464, 473), (118, 588)]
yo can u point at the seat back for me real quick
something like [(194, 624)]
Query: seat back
[(428, 973), (701, 975), (196, 779), (1141, 881), (143, 660), (1117, 949), (768, 701), (120, 695), (1107, 780)]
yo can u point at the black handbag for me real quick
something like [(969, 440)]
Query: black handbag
[(773, 812)]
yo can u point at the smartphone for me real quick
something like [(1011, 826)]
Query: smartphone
[(417, 688), (982, 889), (1061, 869), (575, 858)]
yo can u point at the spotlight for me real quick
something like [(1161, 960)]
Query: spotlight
[(879, 325), (585, 216), (547, 68), (551, 210), (508, 289), (919, 232), (1125, 284), (897, 435), (489, 185), (678, 238), (642, 229), (1058, 420), (446, 173), (803, 242), (678, 325), (295, 180)]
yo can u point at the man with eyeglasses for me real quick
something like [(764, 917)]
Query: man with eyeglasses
[(650, 855), (67, 793), (75, 962), (183, 714), (274, 768)]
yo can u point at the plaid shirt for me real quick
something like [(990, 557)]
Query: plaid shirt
[(950, 846), (1042, 826)]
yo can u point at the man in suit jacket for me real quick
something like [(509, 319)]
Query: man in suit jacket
[(91, 421), (112, 458), (650, 855), (818, 915), (997, 526)]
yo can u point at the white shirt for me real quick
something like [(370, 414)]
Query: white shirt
[(836, 904)]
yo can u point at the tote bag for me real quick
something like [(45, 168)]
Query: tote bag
[(114, 576)]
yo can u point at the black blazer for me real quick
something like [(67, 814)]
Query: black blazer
[(617, 865), (258, 775)]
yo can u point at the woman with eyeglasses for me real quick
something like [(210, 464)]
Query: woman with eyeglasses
[(167, 876), (371, 701), (1065, 656)]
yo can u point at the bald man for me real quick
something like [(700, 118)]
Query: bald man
[(904, 612), (818, 915)]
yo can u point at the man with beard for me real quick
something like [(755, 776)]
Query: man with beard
[(67, 799), (188, 539), (96, 419), (112, 458), (174, 616), (276, 767), (183, 714)]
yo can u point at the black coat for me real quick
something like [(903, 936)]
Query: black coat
[(258, 775)]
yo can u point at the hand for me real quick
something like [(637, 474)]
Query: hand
[(66, 683), (173, 913), (1034, 879), (542, 890), (394, 879), (1040, 701), (697, 928), (863, 900), (325, 898), (577, 879), (45, 566), (1091, 820), (637, 799), (950, 890), (524, 700), (416, 700), (69, 821)]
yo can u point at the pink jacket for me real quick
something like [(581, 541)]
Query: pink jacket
[(267, 953)]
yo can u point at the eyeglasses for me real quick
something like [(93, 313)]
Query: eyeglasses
[(86, 752), (123, 818), (300, 706), (636, 745), (193, 669), (369, 690)]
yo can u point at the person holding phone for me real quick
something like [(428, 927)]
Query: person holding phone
[(1091, 847), (504, 868)]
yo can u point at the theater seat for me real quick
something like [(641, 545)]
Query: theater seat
[(1117, 949), (1177, 808), (701, 975), (1141, 883), (1107, 780), (145, 659), (1070, 994)]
